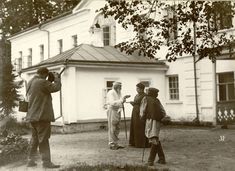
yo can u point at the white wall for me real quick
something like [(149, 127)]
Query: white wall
[(83, 95), (184, 108), (76, 24), (75, 89), (32, 40)]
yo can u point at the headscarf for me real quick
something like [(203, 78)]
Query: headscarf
[(153, 92), (140, 85)]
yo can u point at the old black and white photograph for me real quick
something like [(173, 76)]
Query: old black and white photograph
[(117, 85)]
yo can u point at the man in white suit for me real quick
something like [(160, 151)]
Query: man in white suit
[(115, 104)]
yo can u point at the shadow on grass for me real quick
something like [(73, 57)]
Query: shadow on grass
[(106, 167)]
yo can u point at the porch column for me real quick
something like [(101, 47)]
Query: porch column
[(69, 95)]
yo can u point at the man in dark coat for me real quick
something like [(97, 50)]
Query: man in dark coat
[(40, 115)]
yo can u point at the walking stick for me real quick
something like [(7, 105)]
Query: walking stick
[(124, 119), (144, 149)]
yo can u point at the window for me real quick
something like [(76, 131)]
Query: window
[(173, 87), (146, 84), (30, 57), (60, 46), (226, 86), (108, 86), (75, 40), (19, 61), (172, 30), (106, 36), (222, 15), (41, 51)]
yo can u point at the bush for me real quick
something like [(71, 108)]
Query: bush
[(12, 148), (9, 125), (106, 167)]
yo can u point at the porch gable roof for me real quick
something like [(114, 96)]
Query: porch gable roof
[(107, 54)]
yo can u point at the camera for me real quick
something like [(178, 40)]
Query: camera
[(51, 76)]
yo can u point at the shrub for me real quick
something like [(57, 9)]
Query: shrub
[(12, 148), (107, 167), (9, 125)]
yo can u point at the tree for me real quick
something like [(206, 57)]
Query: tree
[(195, 27), (18, 15), (10, 96), (152, 32)]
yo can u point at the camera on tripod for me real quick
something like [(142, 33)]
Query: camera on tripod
[(51, 76)]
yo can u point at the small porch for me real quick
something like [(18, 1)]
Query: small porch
[(225, 93), (226, 113)]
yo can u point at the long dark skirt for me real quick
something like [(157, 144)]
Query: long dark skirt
[(137, 130)]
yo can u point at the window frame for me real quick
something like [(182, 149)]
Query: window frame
[(226, 84), (60, 45), (173, 30), (19, 61), (222, 19), (106, 89), (41, 52), (143, 80), (105, 40), (30, 56), (74, 40), (175, 96)]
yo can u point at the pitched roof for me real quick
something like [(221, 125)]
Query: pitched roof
[(88, 54), (107, 54)]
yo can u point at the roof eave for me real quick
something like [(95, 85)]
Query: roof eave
[(160, 65)]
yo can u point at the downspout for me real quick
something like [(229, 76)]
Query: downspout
[(48, 39), (48, 51)]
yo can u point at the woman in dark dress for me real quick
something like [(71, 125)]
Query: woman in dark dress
[(137, 126)]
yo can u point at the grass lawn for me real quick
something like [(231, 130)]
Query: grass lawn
[(186, 149)]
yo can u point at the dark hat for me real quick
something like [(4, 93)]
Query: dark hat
[(42, 71), (140, 85), (153, 92)]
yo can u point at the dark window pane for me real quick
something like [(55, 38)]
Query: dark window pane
[(109, 84), (222, 92), (231, 95), (146, 83), (226, 77)]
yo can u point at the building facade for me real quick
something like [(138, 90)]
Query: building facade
[(86, 39), (92, 62)]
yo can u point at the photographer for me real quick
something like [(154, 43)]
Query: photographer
[(40, 114)]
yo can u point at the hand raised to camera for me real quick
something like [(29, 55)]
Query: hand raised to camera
[(57, 75), (51, 77)]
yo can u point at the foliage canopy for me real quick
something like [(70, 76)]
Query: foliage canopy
[(18, 15), (179, 26)]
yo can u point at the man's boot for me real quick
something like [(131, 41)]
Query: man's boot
[(50, 165), (152, 155), (31, 163), (161, 154)]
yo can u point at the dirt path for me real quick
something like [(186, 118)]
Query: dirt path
[(186, 149)]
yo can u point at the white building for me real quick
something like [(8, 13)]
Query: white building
[(85, 39)]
